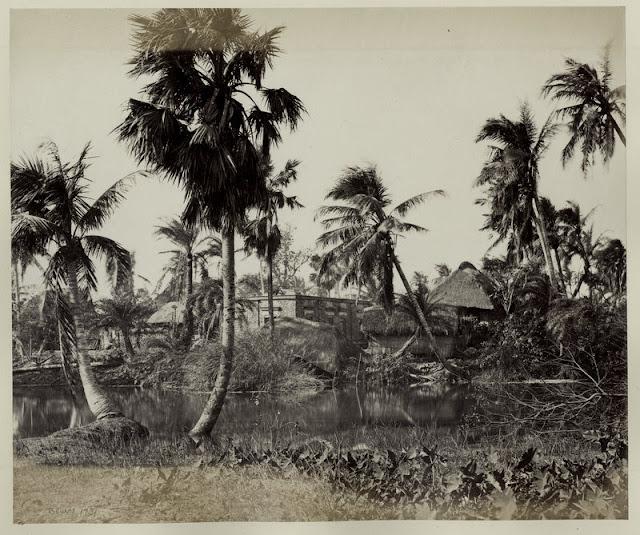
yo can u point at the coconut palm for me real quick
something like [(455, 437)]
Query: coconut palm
[(611, 263), (513, 168), (123, 312), (594, 112), (362, 231), (190, 252), (202, 127), (578, 240), (262, 234), (51, 211)]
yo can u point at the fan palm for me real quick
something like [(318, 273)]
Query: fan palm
[(190, 252), (362, 231), (594, 110), (202, 127), (51, 211), (123, 312), (512, 172), (262, 234)]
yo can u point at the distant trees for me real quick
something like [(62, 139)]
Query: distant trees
[(262, 235), (191, 252)]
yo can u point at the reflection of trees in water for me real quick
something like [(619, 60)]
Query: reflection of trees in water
[(169, 414)]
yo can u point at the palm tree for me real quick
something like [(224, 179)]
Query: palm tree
[(262, 234), (51, 211), (595, 110), (428, 306), (552, 225), (190, 252), (513, 167), (578, 240), (202, 127), (123, 311), (363, 232), (443, 270), (611, 263)]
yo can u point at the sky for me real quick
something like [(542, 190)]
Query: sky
[(404, 89)]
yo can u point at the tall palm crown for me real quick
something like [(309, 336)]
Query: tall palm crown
[(202, 125), (190, 252), (511, 175), (362, 230), (262, 234), (52, 215), (593, 111)]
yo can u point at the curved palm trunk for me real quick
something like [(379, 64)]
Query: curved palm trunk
[(67, 369), (544, 242), (187, 331), (212, 408), (270, 291), (431, 341), (99, 402)]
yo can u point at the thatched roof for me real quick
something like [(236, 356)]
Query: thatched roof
[(171, 312), (466, 287)]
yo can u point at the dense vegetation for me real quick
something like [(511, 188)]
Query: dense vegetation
[(207, 121)]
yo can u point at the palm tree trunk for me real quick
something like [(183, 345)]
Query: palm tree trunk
[(431, 341), (16, 273), (261, 270), (270, 291), (99, 403), (560, 273), (544, 242), (67, 369), (212, 408), (187, 330), (126, 336)]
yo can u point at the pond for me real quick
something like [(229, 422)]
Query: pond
[(39, 411)]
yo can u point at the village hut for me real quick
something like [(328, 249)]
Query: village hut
[(467, 293)]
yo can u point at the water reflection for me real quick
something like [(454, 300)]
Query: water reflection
[(40, 411)]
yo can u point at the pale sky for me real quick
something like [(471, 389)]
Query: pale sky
[(406, 89)]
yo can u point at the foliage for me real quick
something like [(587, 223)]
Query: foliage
[(360, 234), (201, 124), (531, 486), (593, 109), (191, 252), (288, 262)]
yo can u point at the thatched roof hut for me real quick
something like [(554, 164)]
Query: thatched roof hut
[(169, 313), (467, 288)]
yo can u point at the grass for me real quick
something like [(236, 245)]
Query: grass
[(260, 364)]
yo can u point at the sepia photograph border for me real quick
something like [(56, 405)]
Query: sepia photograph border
[(632, 525)]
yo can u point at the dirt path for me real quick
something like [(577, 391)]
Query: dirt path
[(53, 494)]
